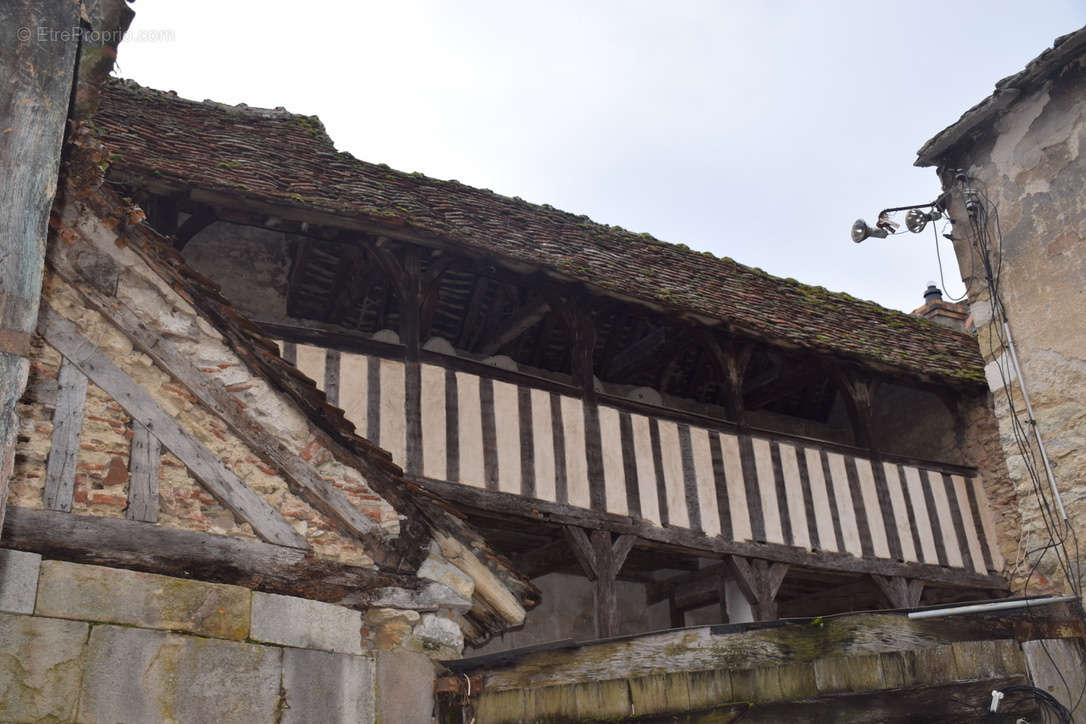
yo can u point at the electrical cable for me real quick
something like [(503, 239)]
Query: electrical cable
[(1049, 704), (942, 281), (1058, 531)]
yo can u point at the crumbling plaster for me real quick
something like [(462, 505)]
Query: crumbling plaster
[(1030, 173)]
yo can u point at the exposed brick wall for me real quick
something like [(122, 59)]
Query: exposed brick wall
[(102, 469)]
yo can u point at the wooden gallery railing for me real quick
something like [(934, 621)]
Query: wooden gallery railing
[(666, 475)]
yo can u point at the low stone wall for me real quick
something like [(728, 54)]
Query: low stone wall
[(83, 643)]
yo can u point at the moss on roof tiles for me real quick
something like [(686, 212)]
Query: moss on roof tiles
[(210, 145)]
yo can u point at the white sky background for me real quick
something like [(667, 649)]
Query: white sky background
[(755, 130)]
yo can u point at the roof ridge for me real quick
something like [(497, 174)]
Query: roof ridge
[(279, 112)]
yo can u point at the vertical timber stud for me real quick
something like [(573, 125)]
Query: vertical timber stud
[(573, 311), (602, 559), (35, 89), (722, 593), (858, 393), (731, 362), (64, 442), (759, 580), (418, 296), (406, 282), (144, 466)]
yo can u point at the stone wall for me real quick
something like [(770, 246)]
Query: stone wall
[(84, 643), (1029, 169)]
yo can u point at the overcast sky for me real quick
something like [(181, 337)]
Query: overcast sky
[(755, 130)]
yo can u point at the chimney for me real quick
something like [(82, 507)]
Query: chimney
[(946, 314)]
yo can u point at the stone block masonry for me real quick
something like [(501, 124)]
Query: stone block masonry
[(87, 643), (19, 573), (109, 595), (297, 622), (136, 675)]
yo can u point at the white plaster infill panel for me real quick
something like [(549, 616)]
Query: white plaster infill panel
[(305, 624)]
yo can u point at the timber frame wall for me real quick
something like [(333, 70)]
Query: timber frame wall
[(535, 448)]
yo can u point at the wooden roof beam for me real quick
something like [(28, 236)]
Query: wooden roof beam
[(524, 318)]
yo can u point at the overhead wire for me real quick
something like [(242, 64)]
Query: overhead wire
[(1062, 537)]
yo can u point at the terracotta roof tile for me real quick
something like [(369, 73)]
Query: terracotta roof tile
[(281, 158)]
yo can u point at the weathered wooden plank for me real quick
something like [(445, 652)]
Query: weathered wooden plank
[(34, 99), (583, 550), (190, 554), (748, 646), (523, 509), (314, 489), (143, 467), (487, 585), (64, 442), (223, 484)]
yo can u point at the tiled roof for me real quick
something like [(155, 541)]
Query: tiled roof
[(1064, 49), (276, 157)]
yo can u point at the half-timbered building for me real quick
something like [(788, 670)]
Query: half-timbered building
[(301, 432), (603, 404)]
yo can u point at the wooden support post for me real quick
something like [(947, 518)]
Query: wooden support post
[(731, 363), (899, 591), (34, 99), (143, 467), (297, 273), (602, 557), (722, 588), (573, 311), (858, 392), (759, 580), (64, 443)]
